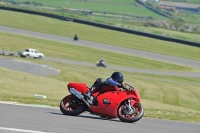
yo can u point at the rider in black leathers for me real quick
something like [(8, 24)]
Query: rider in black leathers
[(116, 79), (101, 61), (75, 37)]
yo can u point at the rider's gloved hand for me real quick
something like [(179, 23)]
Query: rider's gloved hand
[(98, 80), (121, 86)]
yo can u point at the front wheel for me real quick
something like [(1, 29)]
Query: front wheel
[(27, 56), (40, 57), (71, 105), (133, 115)]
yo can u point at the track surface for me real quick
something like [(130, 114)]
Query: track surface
[(28, 67), (52, 120), (107, 47)]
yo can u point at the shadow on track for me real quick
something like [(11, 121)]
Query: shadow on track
[(89, 117)]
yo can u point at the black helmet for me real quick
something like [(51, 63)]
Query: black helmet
[(118, 77)]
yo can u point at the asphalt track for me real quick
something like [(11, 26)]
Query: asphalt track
[(52, 120), (107, 47), (28, 67)]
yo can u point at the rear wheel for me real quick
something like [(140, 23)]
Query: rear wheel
[(71, 105), (133, 115)]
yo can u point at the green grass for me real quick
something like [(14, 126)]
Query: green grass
[(189, 17), (187, 1), (161, 31), (60, 3), (53, 26), (119, 7)]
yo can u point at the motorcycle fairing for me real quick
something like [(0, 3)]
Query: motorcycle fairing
[(104, 89), (113, 94), (81, 87), (115, 98)]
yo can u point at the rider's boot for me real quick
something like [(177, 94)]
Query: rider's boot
[(89, 97)]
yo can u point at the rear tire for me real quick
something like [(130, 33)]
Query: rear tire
[(135, 116), (71, 105)]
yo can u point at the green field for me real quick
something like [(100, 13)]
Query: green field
[(63, 28), (164, 97), (187, 1), (118, 7), (192, 17)]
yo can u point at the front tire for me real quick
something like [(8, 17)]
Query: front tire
[(40, 57), (134, 116), (27, 56), (71, 105)]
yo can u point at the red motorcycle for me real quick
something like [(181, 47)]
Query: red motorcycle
[(108, 102)]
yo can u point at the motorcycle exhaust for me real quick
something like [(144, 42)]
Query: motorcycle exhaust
[(79, 95)]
